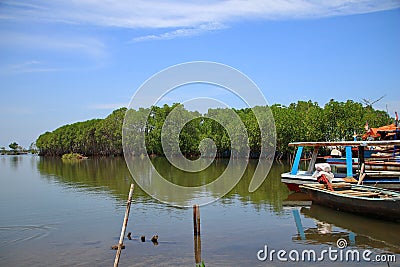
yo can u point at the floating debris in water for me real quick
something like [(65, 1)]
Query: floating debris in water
[(115, 247), (154, 239)]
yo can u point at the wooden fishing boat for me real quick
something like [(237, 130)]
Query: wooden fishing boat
[(353, 172), (389, 164), (357, 199)]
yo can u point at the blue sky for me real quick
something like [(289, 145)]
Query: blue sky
[(68, 61)]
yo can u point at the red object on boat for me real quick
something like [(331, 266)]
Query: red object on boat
[(323, 180)]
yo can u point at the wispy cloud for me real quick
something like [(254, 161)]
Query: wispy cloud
[(7, 110), (39, 67), (66, 48), (85, 45), (28, 67), (185, 18), (183, 32), (108, 106)]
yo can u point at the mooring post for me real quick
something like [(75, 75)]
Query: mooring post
[(196, 234), (197, 248), (196, 220), (124, 224)]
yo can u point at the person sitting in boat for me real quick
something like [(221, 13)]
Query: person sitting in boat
[(324, 175)]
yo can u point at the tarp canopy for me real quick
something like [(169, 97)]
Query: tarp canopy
[(381, 132)]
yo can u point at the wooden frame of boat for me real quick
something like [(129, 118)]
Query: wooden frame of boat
[(358, 199), (384, 179)]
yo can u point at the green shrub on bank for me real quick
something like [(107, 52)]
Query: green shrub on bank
[(72, 156)]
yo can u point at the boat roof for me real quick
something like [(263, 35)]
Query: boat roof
[(347, 143), (387, 130)]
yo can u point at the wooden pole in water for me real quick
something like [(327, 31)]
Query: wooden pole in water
[(196, 220), (124, 224), (197, 248), (196, 234)]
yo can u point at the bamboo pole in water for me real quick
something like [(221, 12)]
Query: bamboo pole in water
[(124, 224)]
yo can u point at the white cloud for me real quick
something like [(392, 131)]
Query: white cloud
[(186, 18)]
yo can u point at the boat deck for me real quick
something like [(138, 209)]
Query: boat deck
[(356, 191)]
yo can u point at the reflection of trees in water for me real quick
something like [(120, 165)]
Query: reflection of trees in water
[(15, 161), (272, 191), (270, 194), (112, 174), (95, 174), (183, 178)]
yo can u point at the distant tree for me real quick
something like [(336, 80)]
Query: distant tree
[(3, 150), (13, 146), (33, 148)]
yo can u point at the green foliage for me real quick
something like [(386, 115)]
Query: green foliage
[(13, 146), (32, 148), (301, 121), (72, 156), (108, 133)]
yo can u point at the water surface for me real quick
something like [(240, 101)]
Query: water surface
[(58, 213)]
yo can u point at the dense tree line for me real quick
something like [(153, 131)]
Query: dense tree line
[(301, 121)]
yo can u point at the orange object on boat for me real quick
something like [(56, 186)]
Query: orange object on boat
[(380, 132)]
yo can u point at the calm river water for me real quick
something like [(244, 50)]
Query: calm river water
[(55, 213)]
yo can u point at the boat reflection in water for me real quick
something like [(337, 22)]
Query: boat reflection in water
[(360, 232)]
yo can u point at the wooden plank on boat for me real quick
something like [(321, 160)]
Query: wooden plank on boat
[(382, 173), (363, 194), (347, 143), (346, 191), (341, 185), (349, 180), (315, 185), (334, 185)]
